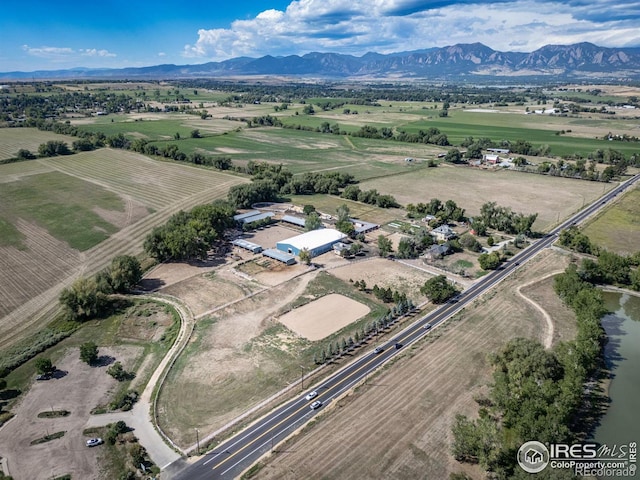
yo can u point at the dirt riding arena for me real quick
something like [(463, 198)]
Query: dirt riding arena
[(322, 317)]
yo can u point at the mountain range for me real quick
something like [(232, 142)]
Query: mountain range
[(475, 62)]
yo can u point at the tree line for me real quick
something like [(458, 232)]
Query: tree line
[(537, 393), (190, 235)]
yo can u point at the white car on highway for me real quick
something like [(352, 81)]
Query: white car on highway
[(311, 395)]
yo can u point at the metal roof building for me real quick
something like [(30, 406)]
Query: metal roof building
[(256, 218), (280, 256), (362, 226), (252, 247), (317, 242), (301, 222), (242, 216)]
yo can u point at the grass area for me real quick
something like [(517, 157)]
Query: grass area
[(617, 227), (10, 236), (329, 204), (62, 204), (147, 129), (533, 128)]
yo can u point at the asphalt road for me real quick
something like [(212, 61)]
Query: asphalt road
[(235, 455)]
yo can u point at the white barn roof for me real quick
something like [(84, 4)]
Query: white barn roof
[(315, 238)]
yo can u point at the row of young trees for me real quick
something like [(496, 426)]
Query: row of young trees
[(360, 336)]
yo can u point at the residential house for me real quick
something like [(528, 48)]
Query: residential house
[(437, 251), (443, 233)]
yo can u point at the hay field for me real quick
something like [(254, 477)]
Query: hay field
[(33, 274), (14, 139), (399, 422), (553, 198), (322, 317), (617, 227)]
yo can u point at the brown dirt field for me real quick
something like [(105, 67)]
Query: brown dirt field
[(386, 274), (401, 428), (205, 292), (324, 316), (80, 390)]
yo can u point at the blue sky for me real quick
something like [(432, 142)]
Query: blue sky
[(47, 34)]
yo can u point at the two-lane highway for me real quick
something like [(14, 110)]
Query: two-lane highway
[(235, 455)]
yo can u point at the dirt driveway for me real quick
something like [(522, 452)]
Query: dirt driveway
[(78, 389)]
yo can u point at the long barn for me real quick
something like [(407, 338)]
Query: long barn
[(316, 241)]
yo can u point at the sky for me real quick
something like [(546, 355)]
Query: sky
[(61, 34)]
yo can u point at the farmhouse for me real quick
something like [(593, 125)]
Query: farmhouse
[(443, 233), (491, 159), (437, 251), (316, 241)]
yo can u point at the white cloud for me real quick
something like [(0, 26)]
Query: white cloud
[(48, 52), (93, 52), (65, 53), (388, 26)]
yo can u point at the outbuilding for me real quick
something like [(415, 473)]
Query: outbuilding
[(316, 242)]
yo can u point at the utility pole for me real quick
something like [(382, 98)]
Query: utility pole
[(197, 441), (301, 377)]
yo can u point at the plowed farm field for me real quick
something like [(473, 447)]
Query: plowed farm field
[(398, 423), (35, 270)]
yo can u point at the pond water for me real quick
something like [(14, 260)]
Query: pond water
[(621, 422)]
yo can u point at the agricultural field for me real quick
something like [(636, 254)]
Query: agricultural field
[(308, 151), (553, 198), (69, 216), (14, 139), (617, 227), (400, 419)]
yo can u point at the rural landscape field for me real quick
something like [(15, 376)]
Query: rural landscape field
[(212, 338)]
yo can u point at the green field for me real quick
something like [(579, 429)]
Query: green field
[(308, 151), (617, 228), (61, 204)]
